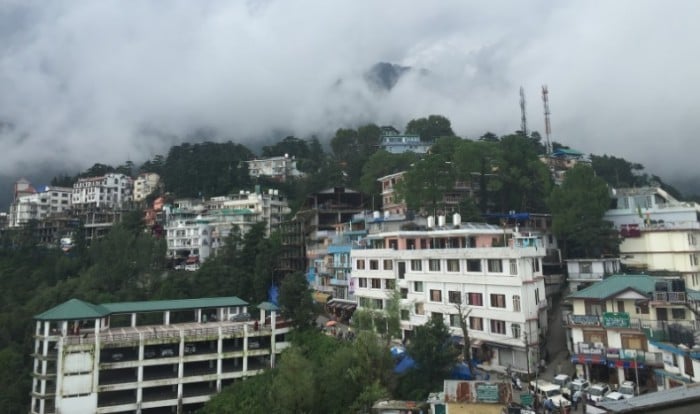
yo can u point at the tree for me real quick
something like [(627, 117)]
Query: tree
[(254, 395), (463, 314), (525, 180), (578, 206), (294, 388), (380, 164), (477, 163), (295, 300), (425, 184), (430, 128)]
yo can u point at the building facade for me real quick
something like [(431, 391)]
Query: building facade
[(145, 184), (117, 358), (491, 276), (277, 168), (583, 272), (392, 204), (109, 191), (39, 204), (395, 143)]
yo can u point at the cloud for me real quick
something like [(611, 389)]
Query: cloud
[(86, 81)]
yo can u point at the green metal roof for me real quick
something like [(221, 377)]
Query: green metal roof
[(268, 306), (615, 284), (73, 309), (78, 309)]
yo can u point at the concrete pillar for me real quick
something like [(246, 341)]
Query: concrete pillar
[(245, 347), (139, 372), (219, 359), (133, 320), (166, 318), (273, 342)]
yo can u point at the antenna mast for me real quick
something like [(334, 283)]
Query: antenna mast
[(547, 126), (523, 115)]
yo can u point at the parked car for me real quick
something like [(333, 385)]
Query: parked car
[(190, 348), (167, 352), (192, 267), (613, 396), (563, 380), (117, 356), (628, 389), (240, 317), (546, 390), (575, 385), (597, 392)]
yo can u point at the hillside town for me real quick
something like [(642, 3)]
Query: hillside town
[(537, 330)]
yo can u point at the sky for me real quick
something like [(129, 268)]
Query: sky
[(109, 81)]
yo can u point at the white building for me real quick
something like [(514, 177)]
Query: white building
[(145, 184), (392, 204), (245, 209), (583, 272), (109, 358), (278, 168), (442, 270), (39, 205), (188, 235), (659, 232), (110, 191), (395, 143)]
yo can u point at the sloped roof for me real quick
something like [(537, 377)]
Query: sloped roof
[(268, 306), (615, 284), (78, 309), (73, 309)]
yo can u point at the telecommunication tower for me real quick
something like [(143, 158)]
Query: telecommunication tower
[(547, 126), (523, 115)]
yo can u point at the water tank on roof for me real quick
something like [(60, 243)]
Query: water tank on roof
[(661, 287), (456, 219), (431, 222), (387, 214), (376, 215), (677, 285), (441, 221)]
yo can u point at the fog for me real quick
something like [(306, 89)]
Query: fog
[(106, 81)]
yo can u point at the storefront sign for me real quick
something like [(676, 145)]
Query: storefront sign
[(631, 354), (584, 320), (487, 393), (526, 399), (612, 353), (616, 320)]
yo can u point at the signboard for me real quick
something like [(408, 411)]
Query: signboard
[(487, 393), (584, 320), (527, 399), (616, 320), (612, 353), (632, 354)]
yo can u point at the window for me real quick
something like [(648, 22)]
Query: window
[(475, 299), (495, 266), (537, 296), (476, 324), (434, 265), (473, 265), (535, 265), (498, 301), (405, 315), (595, 308), (388, 264), (435, 295), (620, 305), (389, 284), (585, 267), (416, 265), (453, 265), (693, 259), (417, 286), (437, 316), (516, 330), (376, 283), (498, 327), (516, 303), (404, 293), (374, 265), (513, 267), (643, 308), (360, 264), (454, 320), (678, 313), (362, 282), (402, 270), (454, 296), (419, 309), (691, 239)]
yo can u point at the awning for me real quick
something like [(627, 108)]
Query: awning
[(674, 377), (587, 359), (669, 348), (341, 304), (321, 297), (621, 363)]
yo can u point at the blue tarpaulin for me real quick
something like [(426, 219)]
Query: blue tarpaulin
[(404, 365), (462, 371)]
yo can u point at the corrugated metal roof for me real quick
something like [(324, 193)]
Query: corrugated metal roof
[(612, 285), (663, 398), (78, 309)]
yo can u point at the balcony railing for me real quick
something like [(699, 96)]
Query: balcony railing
[(622, 354), (669, 297)]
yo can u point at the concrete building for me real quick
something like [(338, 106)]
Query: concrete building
[(395, 143), (109, 191), (31, 204), (581, 273), (391, 203), (188, 235), (491, 274), (145, 184), (277, 168), (246, 209), (148, 357), (620, 328), (659, 232)]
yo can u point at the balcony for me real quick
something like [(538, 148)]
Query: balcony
[(669, 297)]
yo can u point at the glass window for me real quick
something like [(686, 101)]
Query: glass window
[(585, 267), (388, 264), (454, 320), (435, 295), (437, 315), (537, 296), (513, 267), (405, 315), (476, 324), (454, 296), (374, 264), (473, 265), (362, 282), (419, 310), (453, 265), (416, 265), (498, 301), (475, 299), (417, 286), (360, 264), (376, 283), (404, 293), (516, 303), (495, 266), (498, 327), (516, 330), (678, 313), (390, 284), (434, 265)]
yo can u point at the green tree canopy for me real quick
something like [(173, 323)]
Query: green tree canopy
[(430, 128)]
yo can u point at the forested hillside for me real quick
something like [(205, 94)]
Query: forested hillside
[(129, 264)]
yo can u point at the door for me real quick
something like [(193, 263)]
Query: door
[(402, 269), (661, 314)]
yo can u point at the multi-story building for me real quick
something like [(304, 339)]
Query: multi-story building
[(395, 143), (392, 204), (188, 235), (659, 232), (145, 184), (31, 204), (247, 208), (148, 357), (581, 273), (490, 275), (277, 168), (627, 327), (109, 191)]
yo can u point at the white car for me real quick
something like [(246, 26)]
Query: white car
[(563, 380), (628, 389), (614, 396), (545, 390), (597, 392)]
